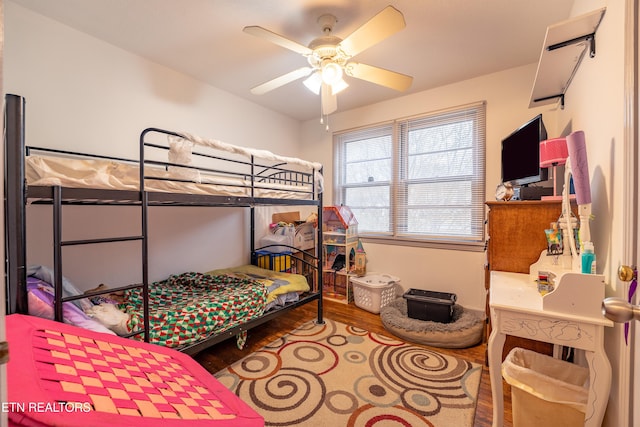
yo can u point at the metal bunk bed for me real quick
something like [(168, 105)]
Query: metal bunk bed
[(245, 193)]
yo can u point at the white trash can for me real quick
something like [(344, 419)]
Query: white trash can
[(545, 391)]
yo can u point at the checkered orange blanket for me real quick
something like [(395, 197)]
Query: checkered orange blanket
[(62, 375)]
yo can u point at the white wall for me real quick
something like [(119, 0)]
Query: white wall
[(595, 103), (84, 94), (507, 95)]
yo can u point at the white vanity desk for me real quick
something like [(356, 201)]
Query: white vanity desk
[(570, 316)]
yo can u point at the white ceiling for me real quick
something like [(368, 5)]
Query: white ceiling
[(445, 41)]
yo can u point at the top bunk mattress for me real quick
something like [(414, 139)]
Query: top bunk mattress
[(114, 175), (180, 163)]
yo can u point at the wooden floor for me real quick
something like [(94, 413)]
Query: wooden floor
[(222, 355)]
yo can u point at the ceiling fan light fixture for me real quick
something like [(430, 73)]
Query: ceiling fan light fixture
[(331, 73), (329, 58), (339, 86), (313, 83)]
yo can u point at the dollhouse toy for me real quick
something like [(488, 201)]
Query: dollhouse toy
[(339, 243)]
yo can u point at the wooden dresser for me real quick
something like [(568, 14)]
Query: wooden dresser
[(515, 239)]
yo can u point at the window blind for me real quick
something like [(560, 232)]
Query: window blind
[(440, 192), (416, 179), (364, 168)]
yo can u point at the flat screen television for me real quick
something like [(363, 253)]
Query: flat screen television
[(521, 154)]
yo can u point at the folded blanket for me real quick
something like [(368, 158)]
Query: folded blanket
[(276, 282)]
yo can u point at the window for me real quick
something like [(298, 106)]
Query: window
[(419, 179)]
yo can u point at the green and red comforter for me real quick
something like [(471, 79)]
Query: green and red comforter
[(189, 307)]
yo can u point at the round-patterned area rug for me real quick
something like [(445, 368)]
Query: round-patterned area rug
[(335, 374)]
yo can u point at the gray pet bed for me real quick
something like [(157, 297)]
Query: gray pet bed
[(465, 329)]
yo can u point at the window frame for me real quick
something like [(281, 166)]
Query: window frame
[(397, 129)]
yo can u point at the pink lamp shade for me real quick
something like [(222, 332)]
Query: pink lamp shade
[(553, 152)]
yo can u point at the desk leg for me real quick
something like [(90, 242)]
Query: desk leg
[(494, 350), (600, 385)]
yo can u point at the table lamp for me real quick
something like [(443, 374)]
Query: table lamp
[(553, 152)]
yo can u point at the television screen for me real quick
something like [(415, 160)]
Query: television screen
[(521, 154)]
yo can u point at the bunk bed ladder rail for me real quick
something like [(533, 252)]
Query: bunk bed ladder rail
[(253, 177), (14, 205), (320, 260), (144, 209), (59, 243)]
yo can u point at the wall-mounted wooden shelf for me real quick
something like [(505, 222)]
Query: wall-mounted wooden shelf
[(565, 44)]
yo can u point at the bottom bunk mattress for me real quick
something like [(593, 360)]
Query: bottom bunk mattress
[(190, 307), (62, 375), (184, 309)]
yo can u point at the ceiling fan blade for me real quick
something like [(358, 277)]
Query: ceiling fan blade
[(387, 22), (282, 80), (328, 99), (379, 76), (277, 39)]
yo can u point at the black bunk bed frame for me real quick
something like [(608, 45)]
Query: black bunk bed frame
[(18, 194)]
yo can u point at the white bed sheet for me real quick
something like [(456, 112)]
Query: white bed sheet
[(108, 174)]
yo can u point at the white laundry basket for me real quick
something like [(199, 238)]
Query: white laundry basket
[(374, 290)]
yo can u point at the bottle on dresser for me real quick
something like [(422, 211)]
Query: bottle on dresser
[(588, 259)]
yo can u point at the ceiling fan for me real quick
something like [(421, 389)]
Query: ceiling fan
[(329, 57)]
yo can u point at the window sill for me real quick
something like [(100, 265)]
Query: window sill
[(431, 244)]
